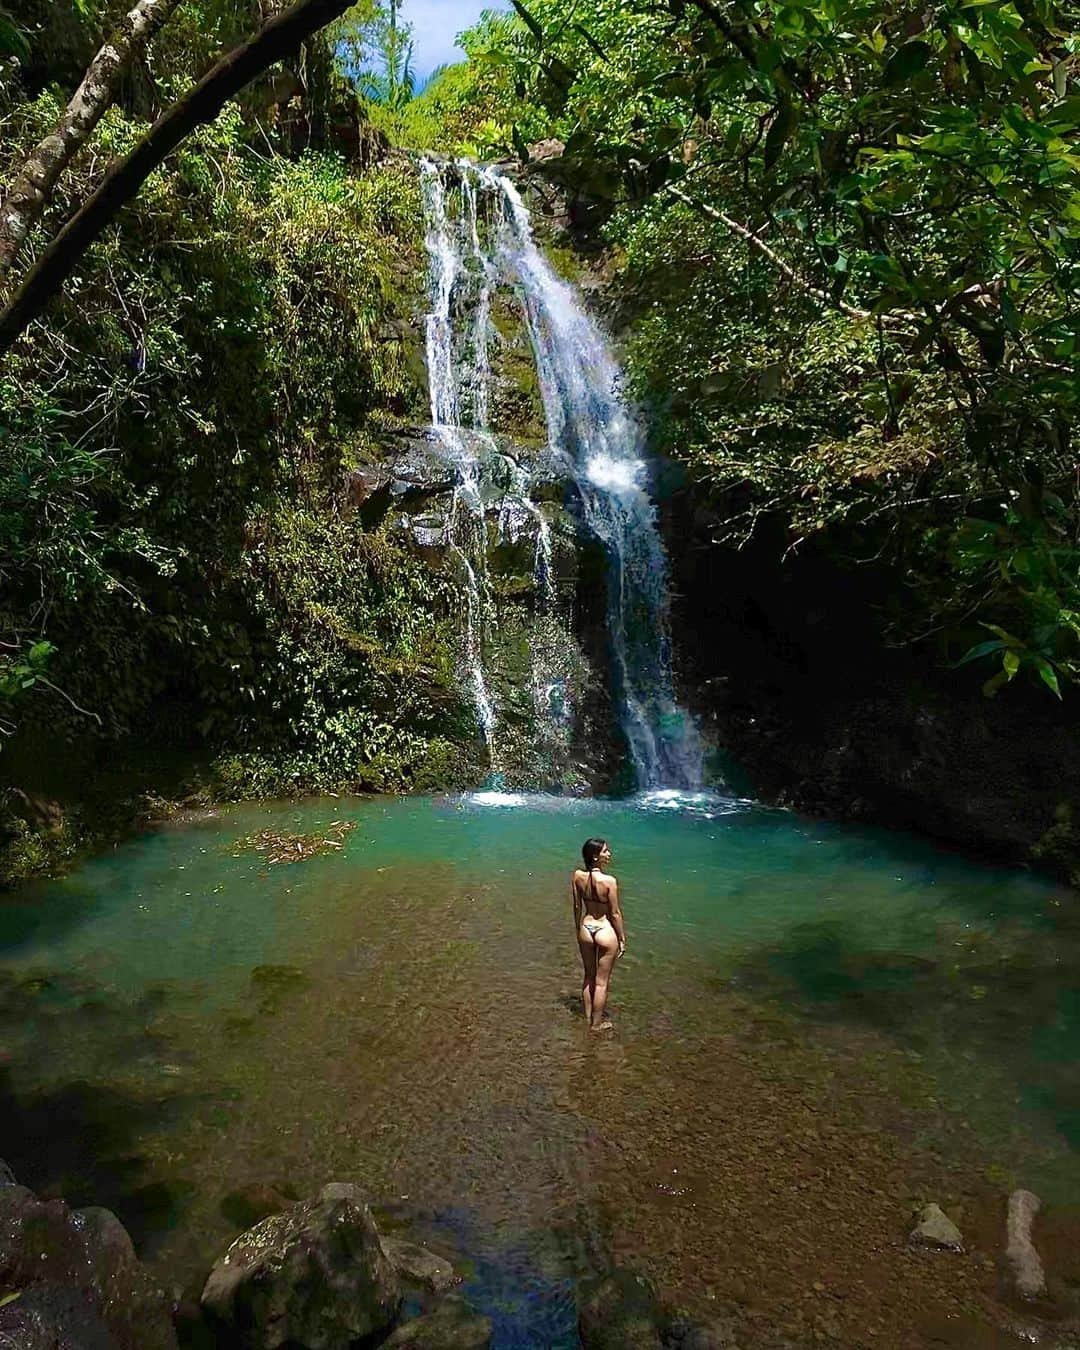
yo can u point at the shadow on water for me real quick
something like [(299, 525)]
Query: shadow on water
[(1001, 1000), (44, 912), (527, 1286), (77, 1136)]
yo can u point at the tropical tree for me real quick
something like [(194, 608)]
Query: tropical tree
[(901, 187), (279, 37), (391, 83)]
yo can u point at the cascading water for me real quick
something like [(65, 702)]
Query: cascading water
[(463, 276), (591, 433), (591, 426), (444, 377)]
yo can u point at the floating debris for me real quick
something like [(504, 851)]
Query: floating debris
[(278, 846)]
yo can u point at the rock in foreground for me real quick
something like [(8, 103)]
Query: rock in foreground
[(619, 1312), (418, 1265), (452, 1326), (76, 1281), (935, 1229), (1021, 1256), (314, 1276)]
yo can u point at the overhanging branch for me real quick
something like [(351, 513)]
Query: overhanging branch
[(781, 264), (277, 39)]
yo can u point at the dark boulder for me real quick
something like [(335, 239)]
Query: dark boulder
[(77, 1282), (54, 1317), (619, 1311), (313, 1276)]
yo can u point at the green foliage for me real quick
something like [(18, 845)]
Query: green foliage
[(28, 852), (22, 672), (172, 443), (21, 669), (469, 107), (858, 317), (12, 38), (391, 83), (1031, 565)]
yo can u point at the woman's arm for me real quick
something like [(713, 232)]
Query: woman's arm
[(577, 906), (616, 916)]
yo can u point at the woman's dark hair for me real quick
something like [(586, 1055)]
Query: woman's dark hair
[(591, 850)]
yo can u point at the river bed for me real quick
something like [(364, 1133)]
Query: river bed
[(818, 1029)]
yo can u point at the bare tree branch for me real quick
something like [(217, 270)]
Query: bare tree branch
[(29, 193), (277, 39), (781, 264)]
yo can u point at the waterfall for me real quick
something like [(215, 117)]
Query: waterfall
[(592, 435), (591, 426), (447, 269)]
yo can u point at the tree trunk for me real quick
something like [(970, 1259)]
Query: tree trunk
[(277, 39), (30, 192)]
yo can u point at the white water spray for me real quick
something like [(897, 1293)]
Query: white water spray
[(591, 427), (591, 432)]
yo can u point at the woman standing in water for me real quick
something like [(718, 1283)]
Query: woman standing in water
[(599, 926)]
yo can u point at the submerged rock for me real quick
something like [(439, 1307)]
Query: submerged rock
[(686, 1334), (452, 1326), (76, 1281), (314, 1275), (419, 1265), (619, 1312), (935, 1229), (248, 1205), (1025, 1266)]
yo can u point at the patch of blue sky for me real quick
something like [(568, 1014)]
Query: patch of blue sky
[(436, 25)]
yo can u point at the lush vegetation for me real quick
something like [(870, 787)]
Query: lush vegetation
[(176, 557), (843, 241), (848, 239)]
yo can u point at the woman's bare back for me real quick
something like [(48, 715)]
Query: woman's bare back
[(594, 890)]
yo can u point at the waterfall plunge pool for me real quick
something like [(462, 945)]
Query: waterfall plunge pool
[(818, 1028)]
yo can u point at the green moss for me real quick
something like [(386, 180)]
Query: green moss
[(26, 852)]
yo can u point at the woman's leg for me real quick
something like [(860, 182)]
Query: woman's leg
[(607, 948), (588, 961)]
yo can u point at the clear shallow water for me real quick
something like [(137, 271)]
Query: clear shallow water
[(808, 1016)]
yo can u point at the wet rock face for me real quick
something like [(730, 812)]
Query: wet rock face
[(54, 1317), (77, 1282), (315, 1275), (801, 689), (494, 518)]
